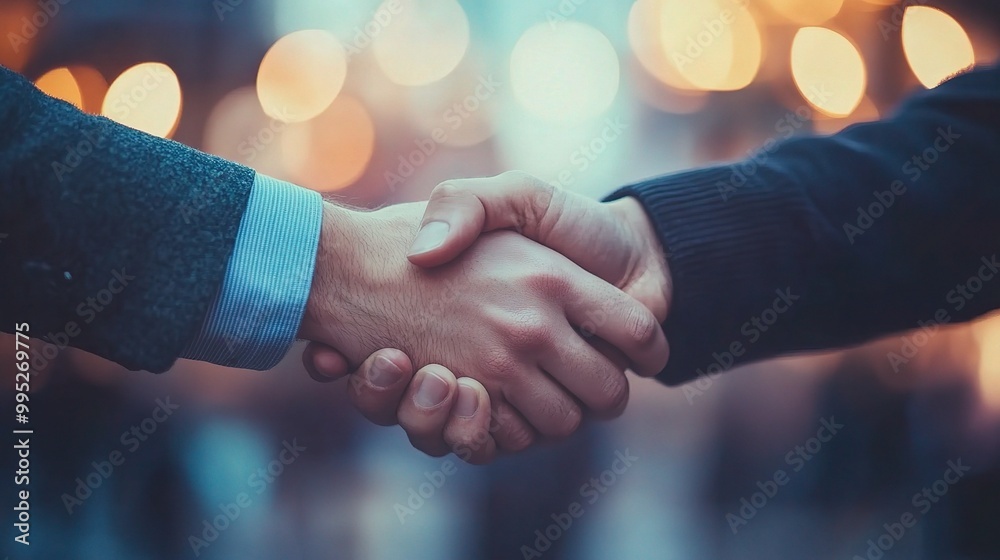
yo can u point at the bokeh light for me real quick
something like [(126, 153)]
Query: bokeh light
[(301, 74), (61, 84), (237, 129), (711, 44), (146, 97), (935, 44), (424, 42), (806, 12), (19, 34), (93, 87), (988, 334), (459, 109), (747, 51), (703, 57), (645, 34), (333, 150), (566, 73), (828, 70)]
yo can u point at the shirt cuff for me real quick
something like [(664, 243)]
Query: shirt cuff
[(259, 306)]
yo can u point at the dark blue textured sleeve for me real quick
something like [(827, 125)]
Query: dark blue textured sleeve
[(114, 241), (828, 242)]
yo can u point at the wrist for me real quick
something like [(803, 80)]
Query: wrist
[(338, 266), (651, 282)]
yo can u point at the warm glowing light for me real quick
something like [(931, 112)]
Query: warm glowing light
[(238, 130), (424, 42), (457, 111), (935, 44), (333, 150), (566, 72), (19, 32), (807, 12), (301, 74), (61, 84), (711, 44), (645, 38), (704, 58), (146, 97), (988, 333), (828, 70), (93, 87), (748, 51)]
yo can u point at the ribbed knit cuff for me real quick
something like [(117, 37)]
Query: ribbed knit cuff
[(725, 231)]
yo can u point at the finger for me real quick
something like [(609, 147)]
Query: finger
[(510, 430), (323, 363), (460, 210), (590, 376), (467, 431), (605, 311), (546, 405), (608, 351), (377, 387), (425, 409)]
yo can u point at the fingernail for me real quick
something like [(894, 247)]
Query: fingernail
[(431, 236), (431, 391), (468, 401), (384, 372)]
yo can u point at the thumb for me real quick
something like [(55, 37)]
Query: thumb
[(324, 363), (459, 211)]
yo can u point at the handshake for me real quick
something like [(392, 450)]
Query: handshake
[(521, 304)]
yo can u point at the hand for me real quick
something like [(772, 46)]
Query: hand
[(384, 389), (520, 324), (615, 241)]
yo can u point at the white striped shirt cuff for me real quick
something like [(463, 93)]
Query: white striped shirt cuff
[(258, 309)]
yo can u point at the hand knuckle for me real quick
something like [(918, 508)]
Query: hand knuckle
[(549, 283), (527, 330), (518, 437), (498, 364), (641, 325), (615, 393), (570, 419)]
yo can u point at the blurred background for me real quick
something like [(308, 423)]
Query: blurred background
[(851, 454)]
